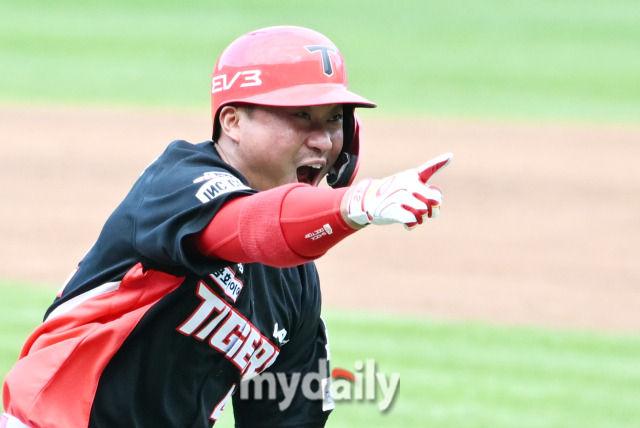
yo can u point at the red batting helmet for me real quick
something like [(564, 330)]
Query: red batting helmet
[(286, 67)]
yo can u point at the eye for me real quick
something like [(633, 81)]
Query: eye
[(336, 118), (303, 115)]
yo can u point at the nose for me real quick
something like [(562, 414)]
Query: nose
[(320, 140)]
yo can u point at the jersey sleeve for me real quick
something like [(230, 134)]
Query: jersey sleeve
[(179, 195)]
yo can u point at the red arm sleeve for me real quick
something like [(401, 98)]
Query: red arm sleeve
[(285, 226)]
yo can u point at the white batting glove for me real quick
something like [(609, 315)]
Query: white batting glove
[(404, 198)]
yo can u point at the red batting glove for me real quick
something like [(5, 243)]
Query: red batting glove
[(404, 198)]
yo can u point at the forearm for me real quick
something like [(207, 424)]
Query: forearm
[(296, 223), (285, 226)]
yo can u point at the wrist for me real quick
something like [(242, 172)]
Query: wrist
[(347, 204)]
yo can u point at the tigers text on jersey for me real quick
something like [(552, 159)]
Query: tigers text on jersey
[(149, 333)]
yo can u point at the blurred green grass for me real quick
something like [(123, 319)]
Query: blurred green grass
[(452, 374), (22, 307), (548, 59), (461, 375)]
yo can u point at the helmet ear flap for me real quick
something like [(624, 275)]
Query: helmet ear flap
[(346, 166), (216, 127)]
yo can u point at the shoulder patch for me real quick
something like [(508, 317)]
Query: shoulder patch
[(217, 183)]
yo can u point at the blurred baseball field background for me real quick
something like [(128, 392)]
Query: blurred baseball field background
[(545, 59), (553, 61)]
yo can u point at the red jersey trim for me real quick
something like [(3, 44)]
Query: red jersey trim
[(78, 300), (55, 380)]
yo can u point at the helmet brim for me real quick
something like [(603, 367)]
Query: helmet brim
[(307, 95)]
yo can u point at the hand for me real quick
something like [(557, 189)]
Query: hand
[(404, 198)]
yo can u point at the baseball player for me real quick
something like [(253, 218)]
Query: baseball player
[(203, 276)]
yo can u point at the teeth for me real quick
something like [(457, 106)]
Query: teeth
[(316, 165)]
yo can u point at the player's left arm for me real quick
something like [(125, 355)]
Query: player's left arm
[(296, 223), (285, 226)]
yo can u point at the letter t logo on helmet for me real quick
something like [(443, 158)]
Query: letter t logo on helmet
[(289, 66), (326, 61)]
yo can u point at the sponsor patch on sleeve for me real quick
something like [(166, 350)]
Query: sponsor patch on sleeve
[(228, 282), (217, 183)]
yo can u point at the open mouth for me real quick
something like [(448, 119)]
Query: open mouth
[(309, 174)]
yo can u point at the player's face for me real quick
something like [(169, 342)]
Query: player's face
[(281, 145)]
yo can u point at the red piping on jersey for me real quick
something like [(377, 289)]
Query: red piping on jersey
[(55, 380), (285, 226)]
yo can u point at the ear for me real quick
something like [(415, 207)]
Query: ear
[(229, 120)]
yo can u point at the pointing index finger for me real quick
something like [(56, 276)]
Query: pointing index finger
[(428, 169)]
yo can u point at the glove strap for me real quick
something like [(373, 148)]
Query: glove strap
[(356, 210)]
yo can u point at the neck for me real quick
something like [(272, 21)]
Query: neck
[(218, 148)]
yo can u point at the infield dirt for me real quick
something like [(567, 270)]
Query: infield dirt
[(540, 225)]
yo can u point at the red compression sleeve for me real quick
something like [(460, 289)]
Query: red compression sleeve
[(282, 227)]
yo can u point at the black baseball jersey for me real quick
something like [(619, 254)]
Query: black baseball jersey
[(150, 333)]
